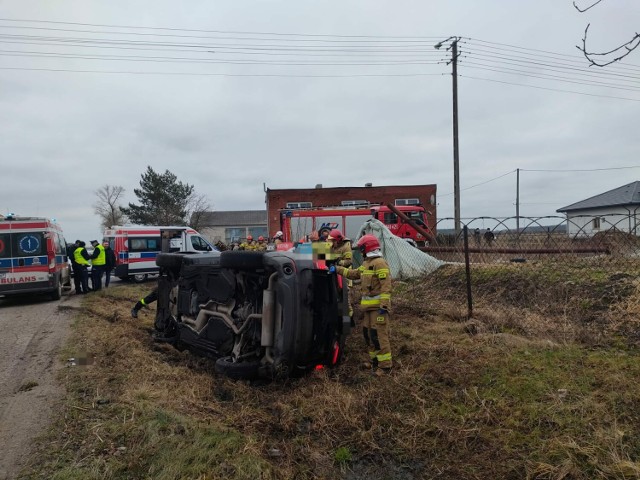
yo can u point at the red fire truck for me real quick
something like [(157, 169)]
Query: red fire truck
[(296, 223)]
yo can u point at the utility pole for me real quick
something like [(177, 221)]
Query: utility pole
[(518, 202), (456, 160)]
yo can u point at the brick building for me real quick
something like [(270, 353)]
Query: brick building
[(347, 196)]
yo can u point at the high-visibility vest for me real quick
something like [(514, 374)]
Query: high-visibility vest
[(77, 256), (101, 259)]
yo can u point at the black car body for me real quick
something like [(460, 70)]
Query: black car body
[(260, 314)]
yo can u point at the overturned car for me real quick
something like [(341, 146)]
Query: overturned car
[(260, 314)]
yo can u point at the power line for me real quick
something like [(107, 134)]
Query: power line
[(579, 170), (550, 89), (124, 72), (216, 31), (479, 184)]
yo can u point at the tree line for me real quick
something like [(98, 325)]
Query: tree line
[(163, 200)]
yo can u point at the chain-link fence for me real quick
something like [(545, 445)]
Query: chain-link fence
[(555, 238)]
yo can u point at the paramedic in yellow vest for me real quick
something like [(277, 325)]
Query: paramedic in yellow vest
[(81, 271), (375, 302), (248, 244), (98, 265)]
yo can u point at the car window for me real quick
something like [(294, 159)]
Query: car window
[(146, 244), (199, 243)]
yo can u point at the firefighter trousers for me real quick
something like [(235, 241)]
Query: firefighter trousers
[(375, 328)]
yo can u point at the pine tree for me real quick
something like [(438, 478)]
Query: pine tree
[(163, 200)]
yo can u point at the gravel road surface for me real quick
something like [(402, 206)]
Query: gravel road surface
[(32, 330)]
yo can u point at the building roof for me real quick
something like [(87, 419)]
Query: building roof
[(234, 218), (626, 195)]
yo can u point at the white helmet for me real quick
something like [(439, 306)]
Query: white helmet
[(278, 234)]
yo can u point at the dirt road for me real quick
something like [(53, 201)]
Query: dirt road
[(32, 332)]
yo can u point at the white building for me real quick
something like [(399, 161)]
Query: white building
[(617, 209)]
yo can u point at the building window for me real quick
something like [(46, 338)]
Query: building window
[(256, 232), (353, 203), (294, 205), (232, 235), (407, 201), (595, 223)]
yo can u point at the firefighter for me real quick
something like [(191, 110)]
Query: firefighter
[(375, 302), (278, 238), (144, 302), (261, 246), (248, 244), (98, 265), (340, 248), (81, 264), (340, 254)]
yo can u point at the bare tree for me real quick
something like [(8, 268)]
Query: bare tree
[(197, 206), (602, 59), (107, 206)]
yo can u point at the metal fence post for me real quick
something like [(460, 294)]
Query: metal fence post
[(468, 272)]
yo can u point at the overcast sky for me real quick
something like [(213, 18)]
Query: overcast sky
[(234, 95)]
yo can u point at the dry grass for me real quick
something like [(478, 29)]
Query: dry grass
[(540, 384)]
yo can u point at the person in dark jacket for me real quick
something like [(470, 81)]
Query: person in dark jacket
[(111, 262)]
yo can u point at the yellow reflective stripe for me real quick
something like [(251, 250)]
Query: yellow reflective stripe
[(367, 272), (375, 301), (384, 357), (385, 296), (372, 355), (383, 270)]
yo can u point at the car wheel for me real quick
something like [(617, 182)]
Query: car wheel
[(171, 261), (57, 293), (242, 260), (237, 370), (139, 278)]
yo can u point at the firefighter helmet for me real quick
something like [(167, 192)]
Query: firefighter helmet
[(278, 234), (249, 238), (336, 235), (368, 243), (261, 238)]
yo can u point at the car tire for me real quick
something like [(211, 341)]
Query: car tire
[(241, 260), (139, 278), (57, 293), (171, 261), (237, 370)]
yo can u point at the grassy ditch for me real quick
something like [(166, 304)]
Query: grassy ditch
[(542, 384)]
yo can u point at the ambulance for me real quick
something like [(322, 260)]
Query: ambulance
[(137, 246), (33, 257)]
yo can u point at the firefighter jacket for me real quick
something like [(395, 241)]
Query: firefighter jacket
[(248, 245), (99, 257), (342, 252), (375, 282)]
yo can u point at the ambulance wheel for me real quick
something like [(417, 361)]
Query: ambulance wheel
[(139, 278), (57, 293)]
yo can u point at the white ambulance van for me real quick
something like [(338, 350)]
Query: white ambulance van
[(136, 247), (33, 257)]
